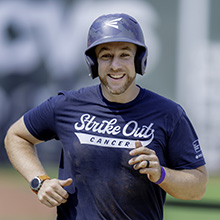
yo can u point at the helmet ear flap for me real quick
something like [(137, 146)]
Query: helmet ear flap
[(93, 65), (141, 60)]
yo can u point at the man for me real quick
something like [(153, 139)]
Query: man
[(124, 147)]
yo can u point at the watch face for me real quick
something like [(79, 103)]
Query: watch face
[(35, 183)]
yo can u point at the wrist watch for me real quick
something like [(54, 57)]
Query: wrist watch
[(36, 183)]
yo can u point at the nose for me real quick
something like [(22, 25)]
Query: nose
[(115, 64)]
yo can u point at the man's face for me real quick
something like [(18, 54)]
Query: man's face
[(116, 66)]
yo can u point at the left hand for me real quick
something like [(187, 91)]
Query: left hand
[(142, 155)]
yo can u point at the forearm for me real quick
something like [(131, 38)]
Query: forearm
[(185, 184), (22, 153), (24, 159)]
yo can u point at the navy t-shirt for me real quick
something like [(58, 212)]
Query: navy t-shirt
[(97, 136)]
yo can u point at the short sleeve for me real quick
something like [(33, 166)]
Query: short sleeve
[(40, 121), (183, 149)]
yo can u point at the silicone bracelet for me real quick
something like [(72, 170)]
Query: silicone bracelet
[(162, 176)]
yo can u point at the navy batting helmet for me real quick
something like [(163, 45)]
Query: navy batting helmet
[(115, 28)]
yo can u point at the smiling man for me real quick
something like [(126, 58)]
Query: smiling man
[(124, 147)]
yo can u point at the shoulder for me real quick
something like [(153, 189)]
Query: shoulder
[(161, 103), (168, 112), (84, 94)]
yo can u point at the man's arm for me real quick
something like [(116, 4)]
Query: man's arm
[(20, 147), (188, 184)]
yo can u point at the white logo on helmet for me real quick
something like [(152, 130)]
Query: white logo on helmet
[(113, 23)]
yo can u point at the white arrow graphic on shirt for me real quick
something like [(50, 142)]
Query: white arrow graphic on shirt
[(108, 142), (113, 23)]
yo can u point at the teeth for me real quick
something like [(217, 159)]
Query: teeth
[(116, 76)]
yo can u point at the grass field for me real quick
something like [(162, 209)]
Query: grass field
[(183, 212), (190, 214), (18, 203)]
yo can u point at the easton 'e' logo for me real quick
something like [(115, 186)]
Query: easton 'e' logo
[(113, 23)]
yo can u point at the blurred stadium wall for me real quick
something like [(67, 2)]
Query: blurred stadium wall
[(42, 45)]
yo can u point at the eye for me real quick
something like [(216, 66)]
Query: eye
[(125, 55), (105, 56)]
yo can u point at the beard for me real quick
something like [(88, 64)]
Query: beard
[(117, 90)]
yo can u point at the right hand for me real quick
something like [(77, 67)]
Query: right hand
[(52, 192)]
